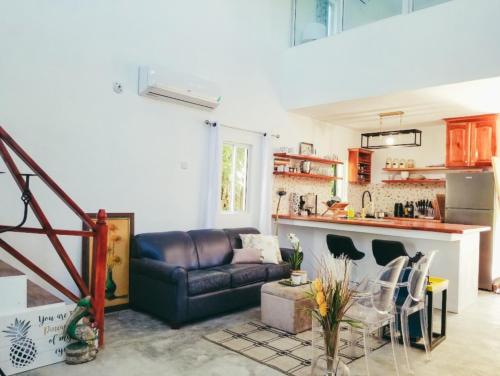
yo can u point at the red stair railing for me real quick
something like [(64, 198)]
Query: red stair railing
[(98, 230)]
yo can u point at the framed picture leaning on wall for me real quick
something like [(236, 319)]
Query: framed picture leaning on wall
[(306, 148), (120, 232)]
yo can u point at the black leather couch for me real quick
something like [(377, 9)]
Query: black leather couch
[(183, 276)]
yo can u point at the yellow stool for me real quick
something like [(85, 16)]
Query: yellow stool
[(434, 286)]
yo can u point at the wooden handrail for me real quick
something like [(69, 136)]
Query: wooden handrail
[(19, 256), (44, 222), (98, 231), (45, 178), (55, 231)]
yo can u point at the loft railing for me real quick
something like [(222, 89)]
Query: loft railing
[(316, 19), (98, 230)]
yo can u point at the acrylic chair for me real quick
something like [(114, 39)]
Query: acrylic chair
[(416, 286), (374, 305)]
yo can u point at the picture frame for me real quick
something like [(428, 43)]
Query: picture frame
[(306, 148), (120, 233)]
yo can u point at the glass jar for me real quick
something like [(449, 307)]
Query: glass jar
[(326, 362), (388, 163)]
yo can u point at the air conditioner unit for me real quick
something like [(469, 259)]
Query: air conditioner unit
[(178, 86)]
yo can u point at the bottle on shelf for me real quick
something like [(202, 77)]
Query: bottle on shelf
[(406, 210), (411, 210)]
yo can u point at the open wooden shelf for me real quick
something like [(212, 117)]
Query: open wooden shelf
[(434, 169), (307, 176), (415, 181), (310, 158)]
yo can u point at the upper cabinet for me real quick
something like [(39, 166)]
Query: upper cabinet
[(471, 141), (360, 166)]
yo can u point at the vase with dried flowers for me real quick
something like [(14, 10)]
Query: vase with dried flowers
[(112, 260), (331, 299)]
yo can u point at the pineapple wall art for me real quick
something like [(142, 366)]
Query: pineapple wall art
[(34, 337), (23, 349)]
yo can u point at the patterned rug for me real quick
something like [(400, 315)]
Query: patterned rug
[(287, 353)]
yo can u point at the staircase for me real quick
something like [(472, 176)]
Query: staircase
[(31, 323)]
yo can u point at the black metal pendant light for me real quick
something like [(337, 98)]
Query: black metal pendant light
[(395, 138)]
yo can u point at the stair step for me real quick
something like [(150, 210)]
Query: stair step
[(18, 293), (38, 296), (13, 289), (8, 271)]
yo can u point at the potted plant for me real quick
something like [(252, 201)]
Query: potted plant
[(331, 299), (296, 257)]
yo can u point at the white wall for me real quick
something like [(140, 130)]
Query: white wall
[(123, 152), (452, 42)]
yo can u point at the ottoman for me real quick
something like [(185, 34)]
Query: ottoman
[(286, 307)]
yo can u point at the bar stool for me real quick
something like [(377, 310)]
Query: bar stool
[(385, 251), (343, 245)]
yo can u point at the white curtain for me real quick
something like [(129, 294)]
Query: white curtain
[(265, 209), (214, 159)]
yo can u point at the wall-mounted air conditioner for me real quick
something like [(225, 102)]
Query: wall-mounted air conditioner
[(182, 87)]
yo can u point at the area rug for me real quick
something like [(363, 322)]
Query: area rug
[(287, 353)]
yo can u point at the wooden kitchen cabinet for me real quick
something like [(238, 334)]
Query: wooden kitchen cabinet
[(471, 141), (360, 166)]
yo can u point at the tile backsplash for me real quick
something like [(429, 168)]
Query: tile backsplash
[(386, 195), (300, 186)]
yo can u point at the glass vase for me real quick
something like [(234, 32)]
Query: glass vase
[(325, 347)]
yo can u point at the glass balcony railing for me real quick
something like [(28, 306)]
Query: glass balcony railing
[(316, 19)]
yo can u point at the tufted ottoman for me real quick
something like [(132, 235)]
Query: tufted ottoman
[(285, 307)]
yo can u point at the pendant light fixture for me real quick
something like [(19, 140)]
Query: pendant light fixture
[(386, 139)]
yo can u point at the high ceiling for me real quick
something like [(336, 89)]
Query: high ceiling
[(423, 107)]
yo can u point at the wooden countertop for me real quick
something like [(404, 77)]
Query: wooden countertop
[(402, 224)]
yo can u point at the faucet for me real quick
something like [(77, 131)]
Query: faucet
[(363, 198)]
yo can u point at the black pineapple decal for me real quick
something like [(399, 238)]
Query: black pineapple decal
[(22, 349)]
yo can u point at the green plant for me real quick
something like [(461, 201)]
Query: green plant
[(297, 256)]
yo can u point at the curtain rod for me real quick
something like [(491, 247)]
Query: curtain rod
[(214, 124)]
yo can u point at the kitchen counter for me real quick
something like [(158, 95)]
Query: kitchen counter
[(458, 247), (394, 223)]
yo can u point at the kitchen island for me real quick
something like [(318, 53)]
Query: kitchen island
[(458, 247)]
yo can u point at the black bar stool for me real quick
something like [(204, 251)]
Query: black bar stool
[(343, 245), (385, 251)]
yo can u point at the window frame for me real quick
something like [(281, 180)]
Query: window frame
[(235, 146), (336, 17)]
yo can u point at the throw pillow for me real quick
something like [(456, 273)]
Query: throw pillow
[(247, 256), (267, 243)]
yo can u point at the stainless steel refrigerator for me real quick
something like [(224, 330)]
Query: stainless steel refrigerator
[(470, 199)]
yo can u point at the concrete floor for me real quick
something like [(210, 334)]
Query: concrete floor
[(140, 345)]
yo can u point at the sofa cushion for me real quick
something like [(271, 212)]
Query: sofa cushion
[(234, 235), (268, 243), (277, 271), (247, 256), (207, 280), (212, 246), (244, 274), (172, 247)]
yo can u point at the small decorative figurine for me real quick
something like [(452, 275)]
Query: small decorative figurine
[(81, 328)]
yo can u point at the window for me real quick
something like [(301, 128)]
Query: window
[(233, 195)]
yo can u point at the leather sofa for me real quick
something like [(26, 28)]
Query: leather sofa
[(184, 276)]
